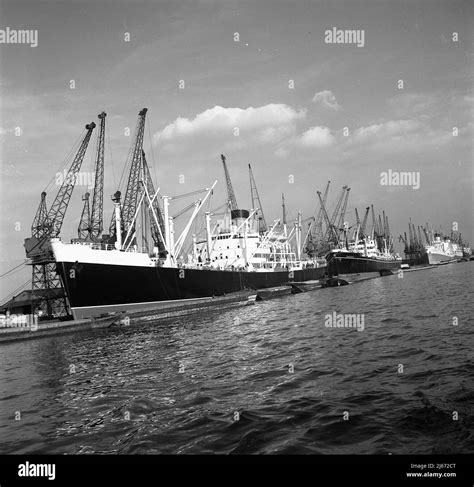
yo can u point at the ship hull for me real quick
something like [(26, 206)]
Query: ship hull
[(94, 289), (416, 258), (440, 258), (357, 267)]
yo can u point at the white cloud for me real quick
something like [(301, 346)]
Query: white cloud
[(267, 123), (326, 98), (412, 105), (276, 134), (316, 137), (398, 136), (392, 128)]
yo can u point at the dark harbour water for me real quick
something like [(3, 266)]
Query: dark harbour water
[(238, 361)]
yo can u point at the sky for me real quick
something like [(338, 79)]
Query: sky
[(255, 81)]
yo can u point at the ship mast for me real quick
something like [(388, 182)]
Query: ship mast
[(283, 206)]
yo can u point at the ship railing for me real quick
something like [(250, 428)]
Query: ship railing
[(293, 265), (104, 246), (95, 245)]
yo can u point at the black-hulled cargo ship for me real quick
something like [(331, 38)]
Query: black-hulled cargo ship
[(103, 276), (97, 288), (362, 260), (100, 278), (140, 263), (340, 263)]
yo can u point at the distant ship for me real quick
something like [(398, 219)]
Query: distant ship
[(362, 260), (442, 250), (425, 246)]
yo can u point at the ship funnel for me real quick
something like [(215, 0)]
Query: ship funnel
[(239, 216)]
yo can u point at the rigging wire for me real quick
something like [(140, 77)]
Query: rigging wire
[(66, 160), (12, 269), (128, 161), (152, 152), (111, 158), (17, 291)]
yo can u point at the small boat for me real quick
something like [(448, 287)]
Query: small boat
[(273, 292), (305, 286), (333, 282)]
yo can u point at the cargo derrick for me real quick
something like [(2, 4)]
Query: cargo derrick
[(283, 210), (46, 225), (155, 232)]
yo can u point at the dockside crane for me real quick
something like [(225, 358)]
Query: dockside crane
[(411, 243), (340, 222), (416, 241), (357, 217), (331, 231), (232, 200), (84, 228), (97, 212), (320, 217), (375, 230), (132, 192), (315, 242), (388, 235), (256, 203), (387, 227), (40, 220), (405, 242), (381, 233), (58, 208), (420, 239), (332, 235), (46, 283), (427, 235), (363, 225)]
